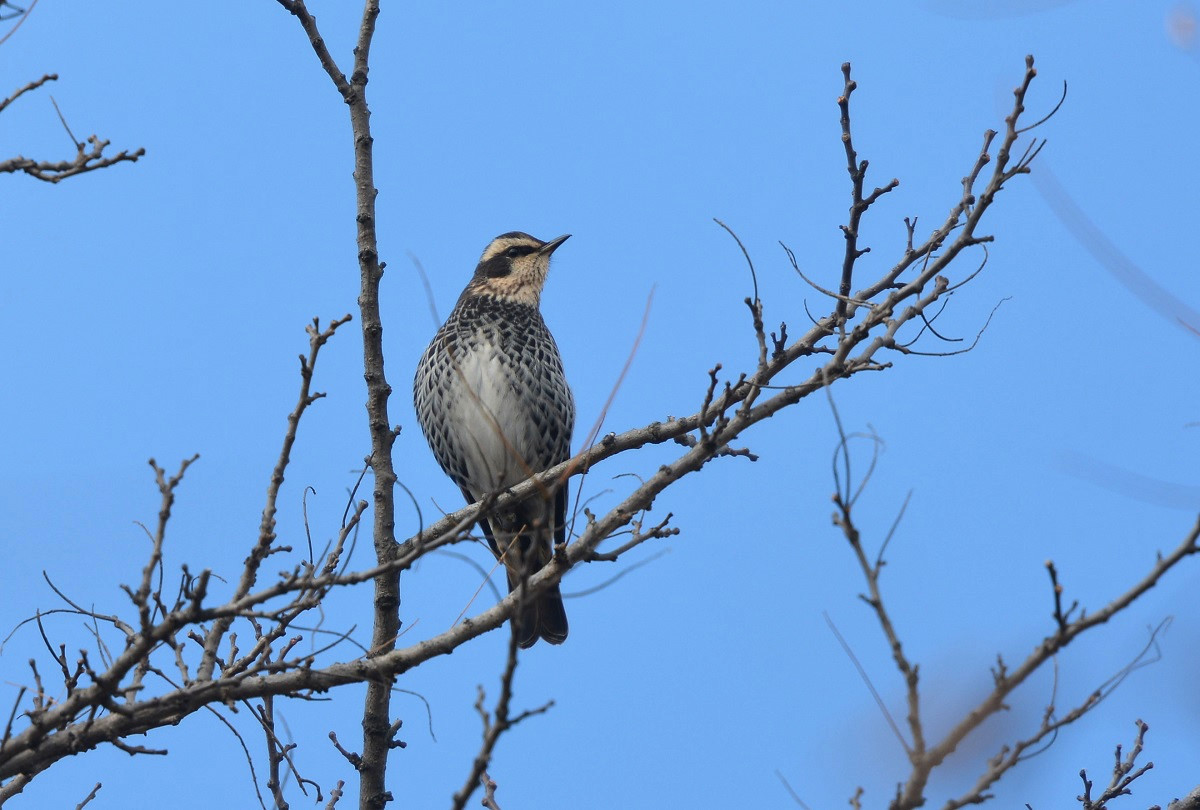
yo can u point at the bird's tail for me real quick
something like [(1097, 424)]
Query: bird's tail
[(543, 617)]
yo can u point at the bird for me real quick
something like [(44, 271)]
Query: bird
[(495, 407)]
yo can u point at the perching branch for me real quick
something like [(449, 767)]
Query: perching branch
[(199, 638), (727, 410)]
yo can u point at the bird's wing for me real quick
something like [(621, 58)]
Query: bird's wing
[(483, 524), (560, 514)]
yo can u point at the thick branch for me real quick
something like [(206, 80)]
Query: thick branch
[(386, 625)]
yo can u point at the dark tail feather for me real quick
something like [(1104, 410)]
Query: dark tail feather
[(552, 618), (529, 549), (545, 618)]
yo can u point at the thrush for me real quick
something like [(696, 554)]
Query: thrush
[(494, 405)]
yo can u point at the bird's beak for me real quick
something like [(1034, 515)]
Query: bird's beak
[(553, 244)]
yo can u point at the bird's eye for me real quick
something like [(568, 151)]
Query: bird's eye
[(518, 250)]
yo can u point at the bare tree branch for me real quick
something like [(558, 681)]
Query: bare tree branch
[(1123, 775), (1188, 802), (85, 160), (199, 636), (495, 724), (924, 757), (859, 204), (317, 338), (33, 85), (53, 171), (22, 14), (386, 625)]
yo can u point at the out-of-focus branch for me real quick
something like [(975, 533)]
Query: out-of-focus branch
[(1110, 256), (1010, 756), (909, 672), (21, 13), (924, 757), (489, 792)]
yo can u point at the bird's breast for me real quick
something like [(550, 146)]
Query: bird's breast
[(492, 398), (496, 407)]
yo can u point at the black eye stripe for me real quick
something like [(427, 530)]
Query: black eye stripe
[(500, 263), (496, 267)]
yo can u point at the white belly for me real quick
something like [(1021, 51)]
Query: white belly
[(493, 424)]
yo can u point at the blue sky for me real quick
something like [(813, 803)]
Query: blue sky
[(156, 310)]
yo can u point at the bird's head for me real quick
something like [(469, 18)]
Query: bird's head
[(514, 267)]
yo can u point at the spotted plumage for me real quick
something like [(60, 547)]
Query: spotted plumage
[(494, 405)]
